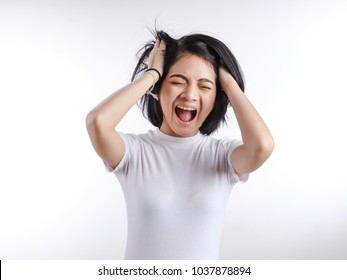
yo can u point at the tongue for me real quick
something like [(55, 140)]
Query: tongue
[(184, 116)]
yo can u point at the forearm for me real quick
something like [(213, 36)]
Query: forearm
[(110, 111), (256, 136)]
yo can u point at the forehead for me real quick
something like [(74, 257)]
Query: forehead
[(193, 66)]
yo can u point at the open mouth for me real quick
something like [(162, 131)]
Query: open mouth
[(185, 114)]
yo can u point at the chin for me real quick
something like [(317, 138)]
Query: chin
[(178, 128), (188, 130)]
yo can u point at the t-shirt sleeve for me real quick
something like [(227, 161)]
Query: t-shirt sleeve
[(229, 146), (129, 141)]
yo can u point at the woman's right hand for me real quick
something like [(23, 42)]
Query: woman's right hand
[(156, 57)]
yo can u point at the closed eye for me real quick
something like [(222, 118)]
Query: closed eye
[(205, 87), (177, 83), (178, 79)]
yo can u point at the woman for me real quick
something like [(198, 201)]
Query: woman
[(176, 179)]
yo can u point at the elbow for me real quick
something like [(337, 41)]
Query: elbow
[(265, 149), (93, 122), (98, 122), (90, 120)]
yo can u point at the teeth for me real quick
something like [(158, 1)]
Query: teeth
[(186, 108)]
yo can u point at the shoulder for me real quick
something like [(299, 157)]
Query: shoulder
[(136, 147), (137, 138), (218, 150), (225, 143)]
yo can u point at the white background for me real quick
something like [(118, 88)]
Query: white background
[(58, 59)]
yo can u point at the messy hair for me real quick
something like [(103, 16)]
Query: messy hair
[(209, 48)]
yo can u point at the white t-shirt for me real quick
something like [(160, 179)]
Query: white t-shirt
[(176, 191)]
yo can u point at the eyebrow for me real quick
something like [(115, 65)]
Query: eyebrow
[(186, 79)]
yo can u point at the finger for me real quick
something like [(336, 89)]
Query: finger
[(157, 44), (162, 45), (155, 48)]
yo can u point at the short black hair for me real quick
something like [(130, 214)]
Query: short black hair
[(209, 48)]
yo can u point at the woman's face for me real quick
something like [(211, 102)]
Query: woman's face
[(187, 96)]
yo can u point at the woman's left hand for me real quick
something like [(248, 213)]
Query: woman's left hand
[(226, 80), (257, 140)]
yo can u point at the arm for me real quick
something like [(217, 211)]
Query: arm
[(258, 143), (104, 118)]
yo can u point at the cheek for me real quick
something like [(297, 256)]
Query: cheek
[(167, 95), (165, 100), (209, 102)]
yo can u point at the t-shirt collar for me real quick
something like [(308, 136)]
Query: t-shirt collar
[(172, 139)]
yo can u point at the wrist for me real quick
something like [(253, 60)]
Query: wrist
[(231, 89), (153, 77), (154, 81), (155, 72)]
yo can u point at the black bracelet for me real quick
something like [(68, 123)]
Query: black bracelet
[(149, 69)]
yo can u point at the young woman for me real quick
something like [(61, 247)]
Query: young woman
[(176, 179)]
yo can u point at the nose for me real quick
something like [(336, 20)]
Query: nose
[(190, 93)]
